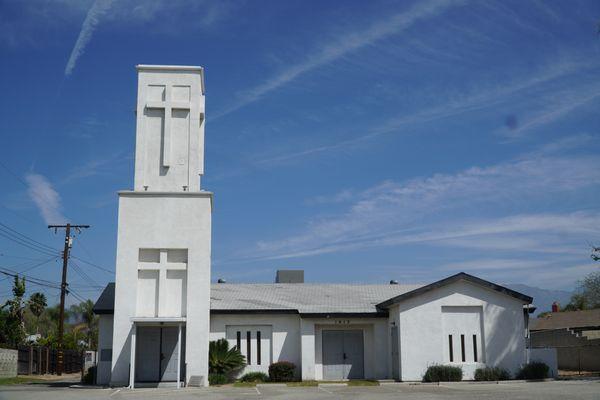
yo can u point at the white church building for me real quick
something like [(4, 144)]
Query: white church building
[(158, 317)]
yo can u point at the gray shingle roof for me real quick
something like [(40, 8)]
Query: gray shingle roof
[(106, 301), (306, 298), (567, 319)]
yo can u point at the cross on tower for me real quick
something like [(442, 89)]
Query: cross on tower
[(162, 267), (168, 105)]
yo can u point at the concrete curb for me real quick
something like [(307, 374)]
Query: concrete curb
[(262, 385), (332, 384), (466, 382)]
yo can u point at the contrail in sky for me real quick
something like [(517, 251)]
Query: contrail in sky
[(99, 8)]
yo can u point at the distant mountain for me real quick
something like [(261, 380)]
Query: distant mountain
[(542, 298)]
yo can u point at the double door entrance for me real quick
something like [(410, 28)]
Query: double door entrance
[(343, 354), (157, 354)]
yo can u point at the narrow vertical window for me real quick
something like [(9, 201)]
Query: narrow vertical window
[(248, 341), (475, 348), (239, 340), (462, 347), (257, 347), (450, 348)]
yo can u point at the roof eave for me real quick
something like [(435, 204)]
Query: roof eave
[(452, 279)]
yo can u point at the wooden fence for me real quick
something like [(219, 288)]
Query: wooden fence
[(40, 360)]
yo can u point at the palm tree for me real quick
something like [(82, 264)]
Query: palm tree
[(37, 304), (222, 359)]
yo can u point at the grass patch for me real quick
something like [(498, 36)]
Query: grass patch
[(19, 380), (363, 382), (244, 384), (302, 383)]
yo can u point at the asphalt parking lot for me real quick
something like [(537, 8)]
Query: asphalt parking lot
[(518, 390)]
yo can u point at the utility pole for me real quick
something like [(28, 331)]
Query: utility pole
[(63, 288)]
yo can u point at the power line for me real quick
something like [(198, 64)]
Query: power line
[(35, 281), (94, 265), (32, 266), (83, 274), (9, 236), (29, 238), (17, 177)]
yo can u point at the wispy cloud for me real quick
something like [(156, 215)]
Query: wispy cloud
[(484, 96), (426, 209), (92, 19), (46, 198), (96, 166), (492, 264), (341, 46)]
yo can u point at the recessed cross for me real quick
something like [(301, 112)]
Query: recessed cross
[(168, 105), (162, 267)]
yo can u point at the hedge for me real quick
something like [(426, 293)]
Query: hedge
[(443, 373), (255, 377), (533, 370), (491, 374), (217, 379), (282, 371)]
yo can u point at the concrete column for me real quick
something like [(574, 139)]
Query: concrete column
[(178, 355), (132, 360), (307, 347)]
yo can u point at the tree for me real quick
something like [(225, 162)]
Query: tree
[(14, 323), (86, 321), (587, 295), (595, 253), (37, 304), (222, 359)]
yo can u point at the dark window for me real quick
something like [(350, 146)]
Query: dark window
[(239, 340), (248, 338), (450, 348), (257, 347), (462, 347), (475, 348)]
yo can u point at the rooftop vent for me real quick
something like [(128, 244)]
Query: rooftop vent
[(289, 276)]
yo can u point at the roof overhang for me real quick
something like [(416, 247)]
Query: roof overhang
[(461, 276)]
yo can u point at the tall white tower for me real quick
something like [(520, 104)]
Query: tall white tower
[(162, 290)]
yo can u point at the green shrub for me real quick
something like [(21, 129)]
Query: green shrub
[(533, 370), (443, 373), (255, 377), (217, 379), (282, 371), (88, 378), (222, 359), (491, 374)]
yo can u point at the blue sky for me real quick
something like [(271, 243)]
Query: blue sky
[(360, 141)]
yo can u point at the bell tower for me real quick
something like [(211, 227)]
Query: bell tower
[(170, 129), (162, 287)]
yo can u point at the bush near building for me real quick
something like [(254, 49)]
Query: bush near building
[(491, 374), (256, 377), (282, 371), (533, 370), (443, 373), (217, 379)]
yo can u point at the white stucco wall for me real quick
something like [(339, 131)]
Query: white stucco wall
[(105, 339), (422, 341), (375, 343), (285, 342), (163, 221)]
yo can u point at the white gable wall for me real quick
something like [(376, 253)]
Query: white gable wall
[(424, 340)]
